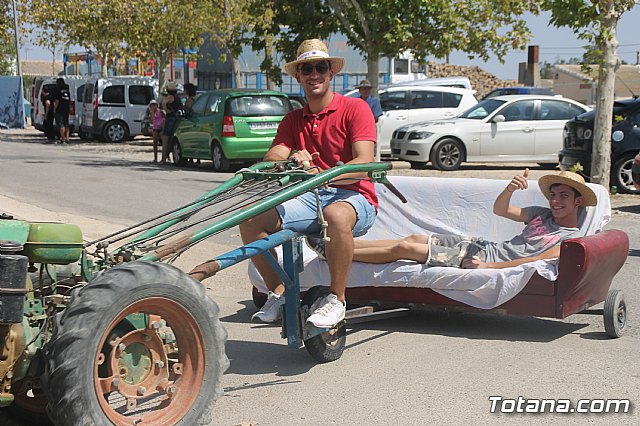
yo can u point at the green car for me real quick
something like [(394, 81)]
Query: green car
[(229, 125)]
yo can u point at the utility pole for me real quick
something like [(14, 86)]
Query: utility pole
[(17, 37)]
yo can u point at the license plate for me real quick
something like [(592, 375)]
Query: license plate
[(263, 125)]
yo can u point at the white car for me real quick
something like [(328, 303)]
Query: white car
[(404, 105), (513, 128)]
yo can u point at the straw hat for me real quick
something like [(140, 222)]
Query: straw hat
[(364, 84), (313, 50), (571, 179)]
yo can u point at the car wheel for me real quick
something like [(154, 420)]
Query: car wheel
[(621, 175), (115, 131), (447, 154), (85, 136), (176, 153), (220, 162)]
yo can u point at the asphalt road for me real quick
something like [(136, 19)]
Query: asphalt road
[(420, 369)]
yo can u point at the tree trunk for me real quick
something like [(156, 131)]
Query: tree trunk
[(104, 67), (162, 66), (372, 71), (235, 68), (601, 154)]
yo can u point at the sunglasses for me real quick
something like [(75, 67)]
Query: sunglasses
[(322, 68)]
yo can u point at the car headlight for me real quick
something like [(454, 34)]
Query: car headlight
[(419, 135)]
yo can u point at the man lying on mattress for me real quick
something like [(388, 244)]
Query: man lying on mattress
[(540, 239)]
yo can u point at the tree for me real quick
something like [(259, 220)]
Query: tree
[(596, 21), (163, 27), (434, 28), (7, 43), (36, 22)]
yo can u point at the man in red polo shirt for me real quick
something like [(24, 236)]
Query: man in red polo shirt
[(330, 128)]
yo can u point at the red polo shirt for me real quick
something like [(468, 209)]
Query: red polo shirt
[(331, 132)]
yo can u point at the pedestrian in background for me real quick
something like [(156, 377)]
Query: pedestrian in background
[(47, 103), (190, 91), (365, 94), (171, 105), (61, 101), (156, 117)]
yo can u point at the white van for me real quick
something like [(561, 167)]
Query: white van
[(114, 107), (76, 88)]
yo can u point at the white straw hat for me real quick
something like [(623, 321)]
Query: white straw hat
[(313, 50), (571, 179)]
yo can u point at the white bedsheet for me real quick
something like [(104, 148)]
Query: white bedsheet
[(456, 206)]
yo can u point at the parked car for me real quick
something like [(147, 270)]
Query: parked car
[(229, 125), (509, 128), (76, 87), (625, 143), (407, 104), (519, 90), (114, 107)]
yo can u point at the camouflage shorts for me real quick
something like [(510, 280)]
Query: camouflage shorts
[(451, 250)]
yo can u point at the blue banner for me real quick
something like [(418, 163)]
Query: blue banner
[(11, 103)]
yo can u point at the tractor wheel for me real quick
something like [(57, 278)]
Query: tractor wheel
[(165, 371), (328, 346)]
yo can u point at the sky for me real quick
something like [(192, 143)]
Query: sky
[(554, 43)]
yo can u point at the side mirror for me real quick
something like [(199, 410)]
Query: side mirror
[(498, 119)]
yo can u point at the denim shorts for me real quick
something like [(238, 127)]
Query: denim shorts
[(451, 250), (300, 214)]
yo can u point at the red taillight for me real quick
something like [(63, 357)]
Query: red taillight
[(95, 101), (228, 129), (72, 107)]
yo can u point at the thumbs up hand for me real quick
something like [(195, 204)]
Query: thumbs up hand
[(519, 181)]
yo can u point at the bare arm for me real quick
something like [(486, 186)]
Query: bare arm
[(502, 206), (277, 153), (362, 153), (552, 253)]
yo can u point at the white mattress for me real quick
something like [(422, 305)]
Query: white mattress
[(456, 206)]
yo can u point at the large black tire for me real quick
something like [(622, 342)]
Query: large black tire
[(621, 175), (82, 343), (115, 131), (447, 154), (328, 346), (176, 153), (615, 313), (220, 162)]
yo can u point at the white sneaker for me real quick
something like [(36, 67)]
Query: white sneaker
[(272, 309), (330, 312)]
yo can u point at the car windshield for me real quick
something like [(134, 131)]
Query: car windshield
[(258, 106), (482, 109)]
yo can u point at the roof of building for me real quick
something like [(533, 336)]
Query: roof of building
[(627, 77), (37, 67)]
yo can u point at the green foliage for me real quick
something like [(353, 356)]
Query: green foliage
[(7, 41)]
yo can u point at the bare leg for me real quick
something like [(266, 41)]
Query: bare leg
[(414, 238), (156, 143), (254, 229), (165, 148), (404, 249), (341, 218)]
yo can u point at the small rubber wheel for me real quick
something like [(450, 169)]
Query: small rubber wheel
[(328, 346), (259, 299), (615, 313), (447, 154), (220, 162), (176, 153)]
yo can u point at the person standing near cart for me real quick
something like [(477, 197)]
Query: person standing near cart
[(329, 129)]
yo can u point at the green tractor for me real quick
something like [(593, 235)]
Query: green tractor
[(108, 332)]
